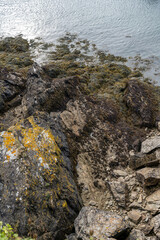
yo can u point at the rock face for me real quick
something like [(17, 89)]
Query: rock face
[(140, 99), (38, 193), (57, 127), (99, 224)]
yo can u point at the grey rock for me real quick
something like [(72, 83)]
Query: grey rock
[(155, 223), (100, 224), (136, 235), (150, 144), (149, 176), (143, 160), (119, 191), (153, 201), (37, 190)]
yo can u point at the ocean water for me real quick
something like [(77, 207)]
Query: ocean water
[(124, 27)]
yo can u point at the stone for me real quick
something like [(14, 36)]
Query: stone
[(135, 216), (143, 160), (144, 110), (153, 201), (155, 223), (119, 191), (120, 173), (37, 190), (146, 228), (150, 144), (100, 224), (149, 176), (136, 235), (158, 154)]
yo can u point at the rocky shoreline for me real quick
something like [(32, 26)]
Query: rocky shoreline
[(79, 145)]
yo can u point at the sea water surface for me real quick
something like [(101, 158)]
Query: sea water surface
[(124, 27)]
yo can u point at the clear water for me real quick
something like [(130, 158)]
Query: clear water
[(124, 27)]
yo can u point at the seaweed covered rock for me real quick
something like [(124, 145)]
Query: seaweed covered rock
[(38, 195), (141, 100)]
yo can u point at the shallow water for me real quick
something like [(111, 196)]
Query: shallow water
[(124, 27)]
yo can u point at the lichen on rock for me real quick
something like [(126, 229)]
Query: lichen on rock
[(37, 180)]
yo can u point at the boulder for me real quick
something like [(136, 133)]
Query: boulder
[(38, 195), (150, 144), (149, 176), (99, 224), (153, 201)]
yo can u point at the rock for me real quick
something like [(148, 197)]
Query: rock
[(153, 201), (155, 223), (72, 237), (141, 101), (135, 216), (11, 86), (119, 191), (158, 154), (150, 144), (100, 224), (120, 173), (37, 191), (47, 95), (73, 118), (143, 160), (146, 228), (136, 235), (149, 176)]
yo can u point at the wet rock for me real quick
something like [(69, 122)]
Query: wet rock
[(153, 201), (136, 235), (120, 173), (155, 223), (37, 191), (150, 144), (141, 101), (119, 191), (149, 176), (100, 224), (135, 216)]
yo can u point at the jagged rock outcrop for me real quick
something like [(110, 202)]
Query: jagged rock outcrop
[(38, 193), (55, 130)]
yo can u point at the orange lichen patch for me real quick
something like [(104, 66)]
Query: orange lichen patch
[(42, 142), (8, 140)]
